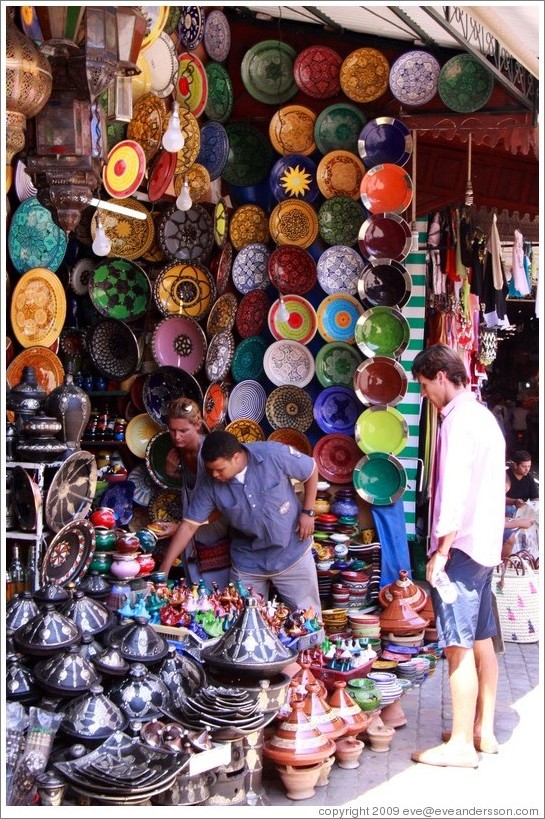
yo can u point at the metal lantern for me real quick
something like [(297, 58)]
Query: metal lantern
[(60, 26), (94, 67), (131, 27)]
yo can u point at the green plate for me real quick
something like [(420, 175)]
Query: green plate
[(340, 219), (382, 331), (381, 429), (267, 72), (120, 289), (464, 84), (250, 155), (219, 103), (338, 127), (379, 479), (336, 364), (247, 363)]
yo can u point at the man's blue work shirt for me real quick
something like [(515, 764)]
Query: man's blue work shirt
[(263, 511)]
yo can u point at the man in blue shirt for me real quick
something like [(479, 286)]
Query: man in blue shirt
[(271, 533)]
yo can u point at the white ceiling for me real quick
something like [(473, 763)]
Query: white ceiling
[(516, 27)]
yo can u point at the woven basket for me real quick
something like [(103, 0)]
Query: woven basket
[(516, 587)]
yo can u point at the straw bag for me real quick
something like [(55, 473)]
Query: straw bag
[(516, 587)]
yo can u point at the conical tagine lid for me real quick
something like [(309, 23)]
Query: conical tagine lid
[(296, 741), (400, 618), (415, 595)]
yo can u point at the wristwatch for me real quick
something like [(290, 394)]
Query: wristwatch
[(310, 512)]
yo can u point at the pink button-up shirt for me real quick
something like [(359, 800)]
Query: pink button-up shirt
[(469, 491)]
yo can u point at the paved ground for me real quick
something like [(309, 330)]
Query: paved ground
[(387, 784)]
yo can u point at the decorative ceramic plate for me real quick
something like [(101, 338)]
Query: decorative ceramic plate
[(337, 316), (413, 77), (143, 484), (250, 155), (191, 26), (71, 491), (26, 499), (219, 104), (336, 409), (267, 72), (386, 188), (221, 223), (384, 283), (139, 431), (156, 456), (69, 554), (24, 187), (165, 384), (316, 72), (380, 479), (292, 269), (252, 313), (214, 150), (163, 65), (187, 235), (340, 174), (120, 289), (364, 75), (380, 380), (140, 85), (247, 400), (184, 289), (289, 406), (291, 130), (192, 135), (125, 169), (161, 174), (222, 315), (156, 19), (223, 271), (165, 505), (215, 405), (293, 438), (221, 350), (336, 364), (294, 176), (148, 124), (217, 35), (293, 223), (385, 236), (340, 219), (198, 180), (247, 363), (464, 84), (47, 365), (336, 455), (155, 253), (80, 276), (38, 308), (178, 341), (382, 331), (302, 323), (72, 342), (339, 269), (245, 430), (337, 127), (385, 140), (130, 238), (34, 240), (119, 497), (381, 429), (288, 362), (249, 226), (249, 270), (113, 348), (191, 83)]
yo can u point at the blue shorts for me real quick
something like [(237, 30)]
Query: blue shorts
[(470, 617)]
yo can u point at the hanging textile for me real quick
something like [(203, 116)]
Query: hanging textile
[(389, 522), (519, 284)]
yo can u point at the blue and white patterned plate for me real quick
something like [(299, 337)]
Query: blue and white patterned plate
[(217, 35), (338, 270), (250, 268), (214, 148), (119, 497), (413, 77), (247, 400)]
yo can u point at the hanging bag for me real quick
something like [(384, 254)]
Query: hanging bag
[(516, 587)]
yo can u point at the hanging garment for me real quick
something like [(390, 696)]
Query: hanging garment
[(392, 535), (519, 284)]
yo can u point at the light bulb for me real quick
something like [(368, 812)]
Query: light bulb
[(101, 244), (173, 139), (414, 239), (184, 201), (282, 314)]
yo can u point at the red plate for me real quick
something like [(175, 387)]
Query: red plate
[(336, 455), (162, 174), (292, 269), (222, 269), (252, 313), (316, 71), (385, 236), (215, 405)]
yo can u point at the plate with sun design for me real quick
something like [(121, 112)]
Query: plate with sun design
[(294, 176)]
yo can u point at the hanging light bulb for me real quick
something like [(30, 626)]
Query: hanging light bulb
[(184, 201), (101, 244), (282, 314), (173, 139), (468, 200)]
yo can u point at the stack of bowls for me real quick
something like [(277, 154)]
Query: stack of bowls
[(340, 595), (364, 625), (334, 620), (388, 685), (357, 584)]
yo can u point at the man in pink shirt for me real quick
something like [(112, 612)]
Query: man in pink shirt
[(466, 529)]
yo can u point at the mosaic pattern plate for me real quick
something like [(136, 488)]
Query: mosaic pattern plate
[(80, 276), (289, 406), (364, 75), (336, 409), (336, 363), (214, 150), (38, 308), (120, 289), (250, 268), (187, 235), (337, 128), (316, 72), (217, 35), (289, 362), (291, 130), (292, 270), (248, 225), (413, 77), (220, 355), (245, 430), (294, 176), (113, 348), (302, 323), (191, 26), (247, 363), (192, 135), (178, 341), (219, 104), (336, 456), (191, 83), (338, 270), (223, 268), (385, 140), (464, 84), (165, 505), (143, 484), (293, 223), (165, 384), (267, 72), (340, 219), (184, 288), (222, 315), (34, 240), (252, 313), (247, 400), (250, 155), (148, 124), (119, 497), (130, 238), (337, 317)]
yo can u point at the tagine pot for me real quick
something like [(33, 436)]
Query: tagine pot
[(400, 618), (92, 717), (348, 752), (90, 615), (20, 610), (141, 695), (344, 706), (414, 595), (380, 737), (296, 742), (46, 633)]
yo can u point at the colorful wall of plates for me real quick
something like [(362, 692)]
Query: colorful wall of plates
[(274, 298)]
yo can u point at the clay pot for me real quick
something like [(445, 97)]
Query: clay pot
[(103, 516), (344, 706), (300, 782), (104, 539), (380, 737), (393, 715), (127, 543), (325, 771), (349, 750), (296, 742), (124, 567), (400, 618), (414, 595), (147, 564)]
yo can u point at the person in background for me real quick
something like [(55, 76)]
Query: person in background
[(523, 486), (519, 425), (271, 532), (466, 524), (512, 524)]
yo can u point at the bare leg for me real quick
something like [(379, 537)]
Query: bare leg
[(487, 672), (463, 690)]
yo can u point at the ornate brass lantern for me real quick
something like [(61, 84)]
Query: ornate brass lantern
[(131, 27), (94, 67)]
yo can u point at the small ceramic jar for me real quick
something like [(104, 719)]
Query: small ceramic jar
[(148, 541), (104, 539), (103, 516), (147, 564), (124, 566), (100, 563), (127, 543)]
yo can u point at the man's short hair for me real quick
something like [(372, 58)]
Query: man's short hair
[(520, 456), (220, 444)]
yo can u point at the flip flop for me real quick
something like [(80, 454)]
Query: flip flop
[(485, 746), (444, 757)]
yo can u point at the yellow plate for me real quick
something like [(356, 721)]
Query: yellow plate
[(198, 180), (38, 308), (248, 224), (141, 83), (139, 432), (245, 430), (130, 238), (293, 223), (364, 75), (148, 124), (291, 130), (156, 17), (340, 173), (184, 289), (192, 145)]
